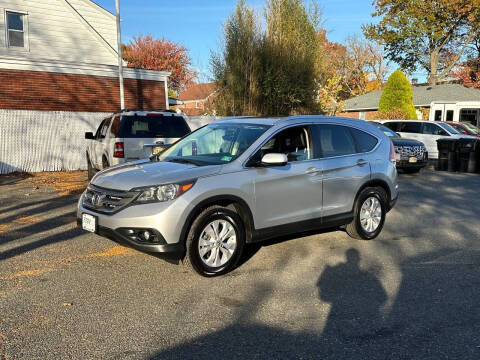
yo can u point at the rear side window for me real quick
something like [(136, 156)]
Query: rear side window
[(410, 127), (153, 126), (433, 129), (365, 142), (334, 140), (106, 124), (115, 129), (392, 126)]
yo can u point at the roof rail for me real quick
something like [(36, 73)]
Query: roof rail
[(159, 110)]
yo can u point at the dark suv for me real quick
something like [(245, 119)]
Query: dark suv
[(411, 155)]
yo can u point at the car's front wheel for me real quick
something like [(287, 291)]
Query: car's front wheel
[(215, 241), (369, 213)]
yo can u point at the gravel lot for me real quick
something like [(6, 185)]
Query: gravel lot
[(412, 293)]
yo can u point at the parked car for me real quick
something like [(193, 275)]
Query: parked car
[(428, 132), (465, 128), (243, 180), (411, 155), (132, 135)]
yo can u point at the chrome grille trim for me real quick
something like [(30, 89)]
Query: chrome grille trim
[(107, 201), (411, 151)]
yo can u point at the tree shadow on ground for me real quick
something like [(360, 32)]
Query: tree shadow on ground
[(429, 318)]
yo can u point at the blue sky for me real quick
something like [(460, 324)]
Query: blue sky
[(197, 24)]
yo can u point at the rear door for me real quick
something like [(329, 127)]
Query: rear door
[(345, 163), (141, 132), (290, 193)]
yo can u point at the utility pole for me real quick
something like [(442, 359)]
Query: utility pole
[(120, 60)]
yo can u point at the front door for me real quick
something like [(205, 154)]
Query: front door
[(290, 193)]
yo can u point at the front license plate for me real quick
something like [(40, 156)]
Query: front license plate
[(413, 160), (89, 222)]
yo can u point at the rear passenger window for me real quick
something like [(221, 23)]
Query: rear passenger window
[(115, 129), (334, 140), (410, 127), (392, 126), (433, 129), (365, 142)]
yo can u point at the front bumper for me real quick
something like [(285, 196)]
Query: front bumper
[(119, 236), (164, 220), (405, 164)]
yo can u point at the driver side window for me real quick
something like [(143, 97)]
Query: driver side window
[(295, 142), (433, 129)]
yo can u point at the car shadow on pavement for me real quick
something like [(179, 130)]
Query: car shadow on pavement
[(428, 319)]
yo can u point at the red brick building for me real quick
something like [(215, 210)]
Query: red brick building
[(197, 99)]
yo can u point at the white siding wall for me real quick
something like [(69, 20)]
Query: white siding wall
[(56, 32), (35, 141)]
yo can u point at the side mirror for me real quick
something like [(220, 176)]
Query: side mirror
[(274, 159), (89, 136)]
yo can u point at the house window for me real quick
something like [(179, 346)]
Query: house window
[(15, 29)]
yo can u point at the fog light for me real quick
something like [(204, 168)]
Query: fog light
[(145, 235)]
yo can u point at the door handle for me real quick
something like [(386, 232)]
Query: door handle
[(312, 170), (362, 162)]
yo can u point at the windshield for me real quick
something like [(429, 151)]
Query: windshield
[(472, 128), (153, 126), (449, 128), (214, 144)]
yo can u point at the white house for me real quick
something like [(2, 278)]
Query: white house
[(59, 63)]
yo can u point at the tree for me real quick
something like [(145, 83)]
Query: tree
[(269, 70), (161, 54), (236, 68), (468, 72), (358, 63), (398, 96), (430, 34)]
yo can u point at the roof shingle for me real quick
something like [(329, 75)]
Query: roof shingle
[(197, 92), (422, 96)]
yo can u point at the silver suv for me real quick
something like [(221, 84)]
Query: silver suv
[(239, 181), (132, 135)]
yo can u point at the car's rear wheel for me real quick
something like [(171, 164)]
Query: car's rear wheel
[(91, 169), (215, 241), (370, 210)]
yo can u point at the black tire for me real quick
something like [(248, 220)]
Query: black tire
[(355, 229), (91, 169), (104, 163), (193, 259), (411, 170)]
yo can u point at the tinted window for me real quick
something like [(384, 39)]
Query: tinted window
[(115, 129), (335, 140), (449, 115), (153, 126), (438, 115), (365, 142), (294, 142), (433, 129), (106, 124), (410, 127), (392, 125)]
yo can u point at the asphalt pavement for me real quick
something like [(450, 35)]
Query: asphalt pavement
[(412, 293)]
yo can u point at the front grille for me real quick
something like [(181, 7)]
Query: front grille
[(107, 201), (411, 151)]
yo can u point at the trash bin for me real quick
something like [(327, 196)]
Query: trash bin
[(447, 154), (468, 155)]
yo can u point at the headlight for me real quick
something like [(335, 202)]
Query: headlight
[(162, 192)]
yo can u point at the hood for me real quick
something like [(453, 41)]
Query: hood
[(146, 173), (406, 142)]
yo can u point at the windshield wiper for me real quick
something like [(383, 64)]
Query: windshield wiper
[(184, 161)]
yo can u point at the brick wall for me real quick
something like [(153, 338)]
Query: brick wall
[(35, 90)]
